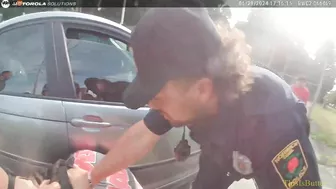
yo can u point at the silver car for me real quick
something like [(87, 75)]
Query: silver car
[(48, 108)]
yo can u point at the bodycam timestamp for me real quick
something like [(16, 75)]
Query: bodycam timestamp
[(264, 3), (314, 3), (284, 3)]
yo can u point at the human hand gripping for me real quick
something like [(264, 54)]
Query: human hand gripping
[(79, 178)]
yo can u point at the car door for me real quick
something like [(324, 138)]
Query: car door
[(32, 127), (99, 52)]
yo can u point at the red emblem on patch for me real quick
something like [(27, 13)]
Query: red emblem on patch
[(292, 164)]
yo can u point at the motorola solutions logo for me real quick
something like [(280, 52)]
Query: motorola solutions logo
[(5, 4)]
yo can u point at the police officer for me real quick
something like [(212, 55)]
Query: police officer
[(245, 118)]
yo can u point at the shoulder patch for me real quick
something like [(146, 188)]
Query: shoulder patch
[(291, 164)]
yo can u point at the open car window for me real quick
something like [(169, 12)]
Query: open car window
[(99, 61)]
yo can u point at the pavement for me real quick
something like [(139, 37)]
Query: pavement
[(327, 173)]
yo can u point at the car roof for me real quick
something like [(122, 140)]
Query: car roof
[(61, 14)]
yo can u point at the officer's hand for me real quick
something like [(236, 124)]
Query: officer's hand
[(78, 178), (47, 185)]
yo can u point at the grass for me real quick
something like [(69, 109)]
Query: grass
[(326, 122), (327, 160)]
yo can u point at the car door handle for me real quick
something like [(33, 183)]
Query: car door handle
[(89, 124)]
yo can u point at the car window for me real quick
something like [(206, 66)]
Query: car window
[(22, 66), (101, 66)]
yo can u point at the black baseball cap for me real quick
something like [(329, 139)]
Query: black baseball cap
[(169, 43)]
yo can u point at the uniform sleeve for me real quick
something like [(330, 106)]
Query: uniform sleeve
[(156, 123), (290, 164), (210, 175)]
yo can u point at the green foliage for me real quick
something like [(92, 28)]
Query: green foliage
[(272, 46), (330, 98), (325, 120)]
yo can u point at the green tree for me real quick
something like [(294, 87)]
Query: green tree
[(270, 44), (284, 54), (330, 98), (326, 61)]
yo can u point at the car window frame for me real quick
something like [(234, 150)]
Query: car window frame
[(46, 24), (111, 31)]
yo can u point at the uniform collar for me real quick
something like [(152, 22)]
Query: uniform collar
[(269, 94)]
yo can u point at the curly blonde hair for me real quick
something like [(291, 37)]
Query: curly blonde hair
[(231, 68)]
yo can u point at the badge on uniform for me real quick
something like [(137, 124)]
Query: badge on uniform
[(291, 164), (241, 163)]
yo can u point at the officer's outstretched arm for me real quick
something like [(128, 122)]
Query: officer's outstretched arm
[(291, 163), (132, 146), (210, 175)]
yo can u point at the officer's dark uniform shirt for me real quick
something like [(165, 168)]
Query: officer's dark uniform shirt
[(262, 136)]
